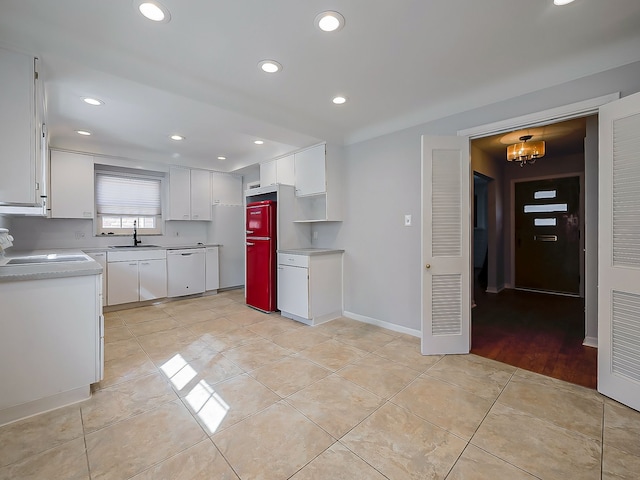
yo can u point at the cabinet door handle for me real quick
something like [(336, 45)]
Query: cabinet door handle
[(133, 264), (144, 263)]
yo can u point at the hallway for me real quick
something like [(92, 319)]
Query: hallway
[(536, 332)]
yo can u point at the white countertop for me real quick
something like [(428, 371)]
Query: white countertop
[(39, 271), (143, 246), (310, 251)]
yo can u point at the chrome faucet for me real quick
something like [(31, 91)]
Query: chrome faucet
[(135, 235)]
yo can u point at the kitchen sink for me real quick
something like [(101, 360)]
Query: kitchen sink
[(146, 245), (54, 258)]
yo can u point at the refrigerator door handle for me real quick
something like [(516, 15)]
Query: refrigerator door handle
[(249, 231), (250, 244)]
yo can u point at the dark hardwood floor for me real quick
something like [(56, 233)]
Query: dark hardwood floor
[(534, 331)]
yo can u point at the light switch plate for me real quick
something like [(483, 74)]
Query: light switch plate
[(407, 220)]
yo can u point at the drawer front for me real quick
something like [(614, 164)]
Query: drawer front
[(130, 255), (293, 260)]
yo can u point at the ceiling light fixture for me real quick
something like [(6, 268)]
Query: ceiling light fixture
[(339, 100), (153, 10), (83, 132), (222, 158), (177, 138), (270, 66), (329, 21), (525, 152), (258, 142), (562, 2), (93, 101)]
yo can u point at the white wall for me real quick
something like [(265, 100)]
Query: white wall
[(382, 183)]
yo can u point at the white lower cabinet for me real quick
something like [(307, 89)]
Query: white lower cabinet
[(310, 285), (136, 276), (51, 347), (152, 279), (101, 258)]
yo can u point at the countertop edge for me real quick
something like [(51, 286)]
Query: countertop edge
[(310, 252)]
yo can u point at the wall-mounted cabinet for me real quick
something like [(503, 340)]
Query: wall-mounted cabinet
[(72, 185), (23, 156), (279, 170), (318, 185), (189, 194), (226, 189)]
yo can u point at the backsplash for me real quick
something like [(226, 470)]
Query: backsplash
[(33, 233)]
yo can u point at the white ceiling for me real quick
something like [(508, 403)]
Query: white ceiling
[(400, 63)]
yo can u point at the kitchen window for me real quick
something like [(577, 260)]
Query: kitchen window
[(123, 197)]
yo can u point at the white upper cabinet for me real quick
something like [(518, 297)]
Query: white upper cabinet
[(280, 170), (226, 189), (285, 170), (72, 185), (310, 174), (268, 173), (318, 184), (200, 195), (22, 180), (189, 194)]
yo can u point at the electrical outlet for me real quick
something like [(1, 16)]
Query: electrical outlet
[(315, 235), (407, 220), (79, 235)]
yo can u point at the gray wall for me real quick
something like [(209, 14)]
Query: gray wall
[(382, 183)]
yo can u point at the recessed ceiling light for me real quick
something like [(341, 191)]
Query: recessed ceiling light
[(83, 132), (177, 137), (562, 2), (339, 100), (329, 21), (258, 142), (153, 11), (92, 101), (270, 66), (222, 158)]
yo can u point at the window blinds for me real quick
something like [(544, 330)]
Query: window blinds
[(127, 195)]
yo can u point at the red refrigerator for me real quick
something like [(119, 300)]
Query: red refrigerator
[(260, 288)]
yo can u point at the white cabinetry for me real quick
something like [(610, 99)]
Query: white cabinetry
[(268, 173), (310, 175), (136, 275), (51, 343), (310, 286), (72, 185), (152, 279), (101, 258), (280, 170), (23, 160), (212, 270), (226, 189), (189, 194), (318, 184), (200, 195)]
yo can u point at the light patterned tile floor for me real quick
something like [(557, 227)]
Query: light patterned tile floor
[(207, 388)]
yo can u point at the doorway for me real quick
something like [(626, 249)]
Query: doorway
[(533, 329)]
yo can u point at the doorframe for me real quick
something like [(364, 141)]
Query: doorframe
[(570, 111)]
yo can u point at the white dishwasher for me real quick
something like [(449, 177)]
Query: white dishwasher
[(185, 271)]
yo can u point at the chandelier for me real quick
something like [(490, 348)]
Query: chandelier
[(525, 151)]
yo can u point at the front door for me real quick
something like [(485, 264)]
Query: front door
[(547, 235)]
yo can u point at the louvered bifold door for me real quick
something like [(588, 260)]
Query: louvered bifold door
[(619, 255), (446, 255)]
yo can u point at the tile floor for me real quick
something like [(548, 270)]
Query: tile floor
[(209, 389)]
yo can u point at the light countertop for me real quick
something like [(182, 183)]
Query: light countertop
[(310, 251), (40, 271)]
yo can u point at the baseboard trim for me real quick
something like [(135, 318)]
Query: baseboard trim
[(495, 289), (590, 342), (42, 405), (383, 324)]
